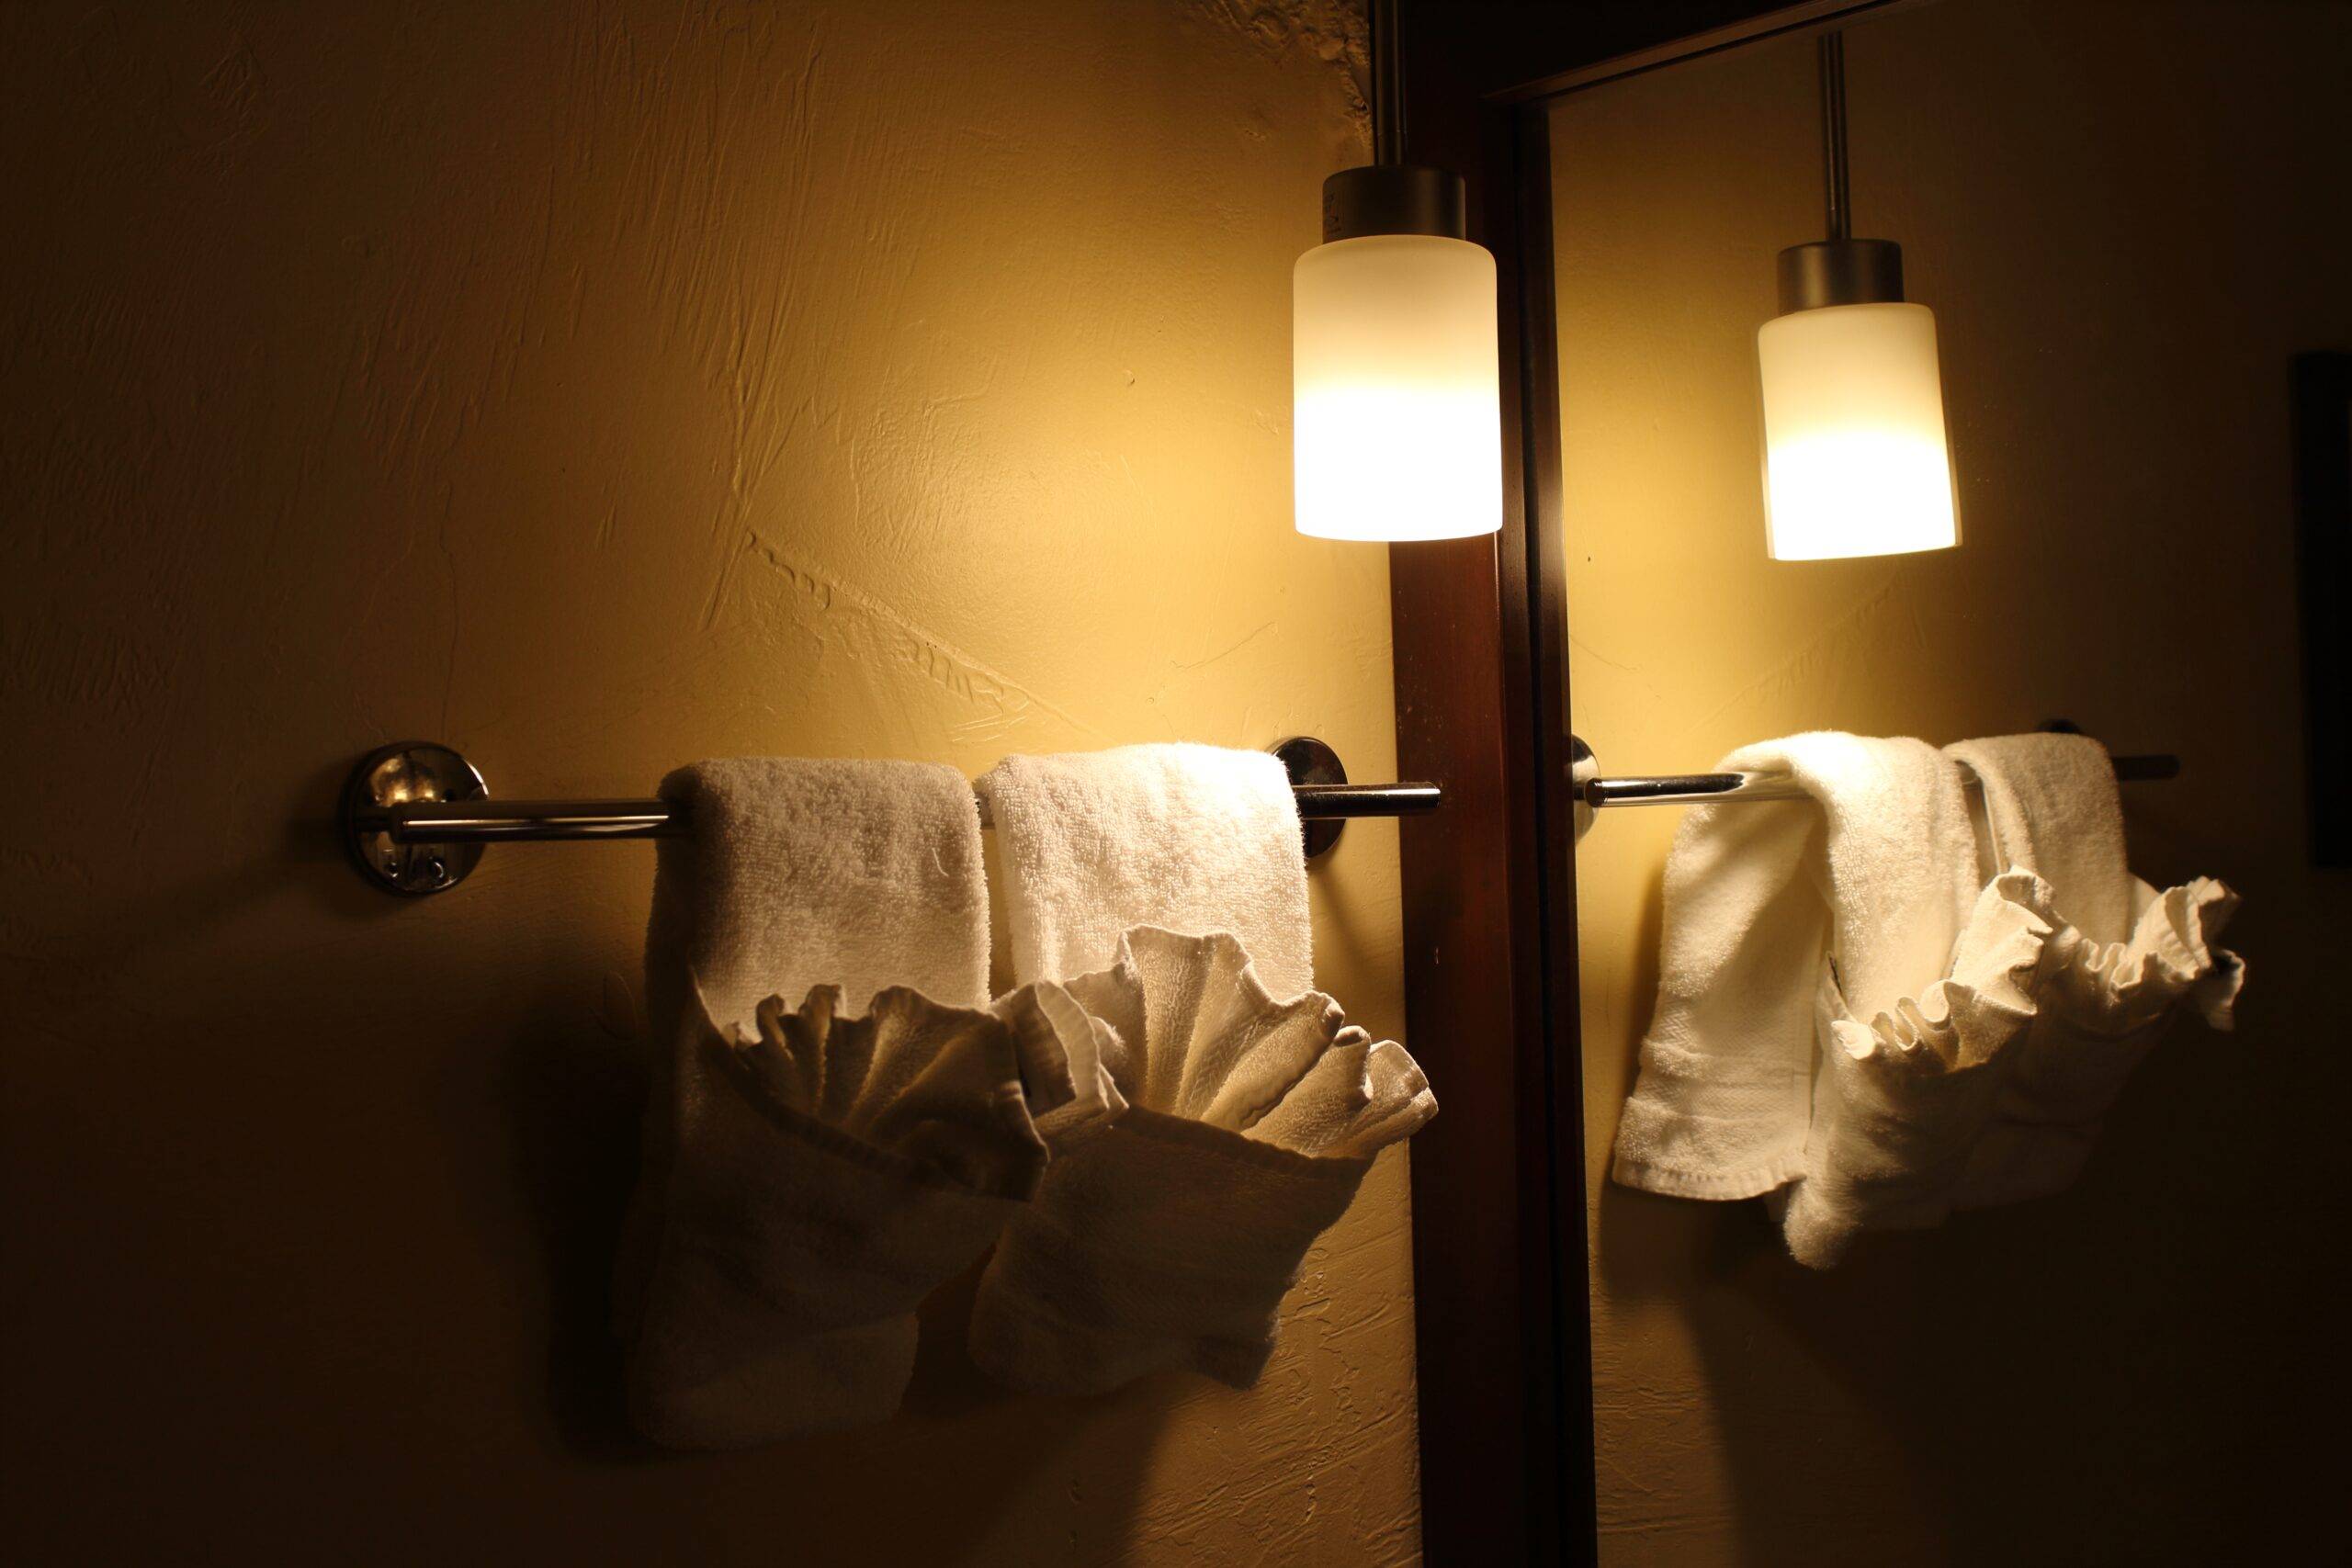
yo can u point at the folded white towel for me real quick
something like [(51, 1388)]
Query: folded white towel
[(1066, 1055), (1167, 1235), (810, 1176), (836, 1171), (1194, 839), (1877, 868), (1907, 1093), (1900, 1101), (2051, 808), (2120, 959), (804, 872), (1921, 1083)]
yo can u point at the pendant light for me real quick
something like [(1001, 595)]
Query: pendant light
[(1855, 462), (1398, 419)]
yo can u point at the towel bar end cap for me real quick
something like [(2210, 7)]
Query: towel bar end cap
[(1312, 761), (407, 772)]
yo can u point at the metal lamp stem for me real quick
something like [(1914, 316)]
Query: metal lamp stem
[(1388, 85), (1836, 190)]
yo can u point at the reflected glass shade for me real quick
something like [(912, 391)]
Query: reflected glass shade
[(1397, 421), (1855, 462)]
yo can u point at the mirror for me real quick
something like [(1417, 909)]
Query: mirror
[(2130, 221)]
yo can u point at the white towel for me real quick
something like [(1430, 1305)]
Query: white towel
[(1958, 1041), (811, 1175), (802, 871), (1194, 839), (1904, 1093), (1877, 868), (2051, 808), (1167, 1238), (2120, 959), (1907, 1092)]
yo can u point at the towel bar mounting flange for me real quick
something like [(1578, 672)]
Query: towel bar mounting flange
[(415, 815)]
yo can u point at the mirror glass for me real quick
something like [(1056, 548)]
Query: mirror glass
[(2129, 221)]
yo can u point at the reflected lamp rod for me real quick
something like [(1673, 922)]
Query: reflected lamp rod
[(1856, 458), (1397, 408)]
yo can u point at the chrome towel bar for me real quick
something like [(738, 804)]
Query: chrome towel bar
[(415, 815), (497, 821)]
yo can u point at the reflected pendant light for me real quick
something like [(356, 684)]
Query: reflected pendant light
[(1855, 462), (1396, 416)]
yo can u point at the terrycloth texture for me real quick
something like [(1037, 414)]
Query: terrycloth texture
[(1903, 1098), (1066, 1055), (837, 1171), (1879, 867), (810, 1176), (2053, 809), (1168, 1236), (2122, 959), (1982, 1078), (1990, 1087), (802, 871), (1194, 839)]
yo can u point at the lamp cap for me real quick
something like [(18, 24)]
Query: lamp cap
[(1394, 198), (1840, 272)]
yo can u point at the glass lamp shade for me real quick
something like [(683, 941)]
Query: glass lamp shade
[(1855, 458), (1397, 421)]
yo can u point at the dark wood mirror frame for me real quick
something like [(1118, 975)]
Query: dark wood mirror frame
[(1479, 626)]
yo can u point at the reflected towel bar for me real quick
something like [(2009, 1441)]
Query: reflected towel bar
[(415, 815), (1703, 789)]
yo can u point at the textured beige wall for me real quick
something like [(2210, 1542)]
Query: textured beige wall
[(2127, 217), (597, 388)]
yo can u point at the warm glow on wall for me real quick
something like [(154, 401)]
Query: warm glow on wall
[(1398, 423), (1855, 460)]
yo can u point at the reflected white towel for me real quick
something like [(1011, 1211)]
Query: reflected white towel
[(1878, 867), (811, 1173), (2122, 959), (1194, 839), (2052, 807), (1902, 1098), (1946, 1062)]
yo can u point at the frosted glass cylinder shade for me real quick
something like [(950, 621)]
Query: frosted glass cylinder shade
[(1397, 422), (1855, 458)]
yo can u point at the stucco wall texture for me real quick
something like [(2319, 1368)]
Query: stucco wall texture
[(2126, 218), (596, 388)]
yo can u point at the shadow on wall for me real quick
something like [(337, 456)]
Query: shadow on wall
[(75, 965), (573, 1091), (570, 1089), (2015, 1374), (575, 1104)]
